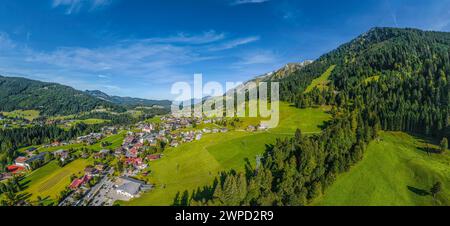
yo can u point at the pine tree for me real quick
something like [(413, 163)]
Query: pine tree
[(444, 145)]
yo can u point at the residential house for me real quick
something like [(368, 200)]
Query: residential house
[(119, 151), (147, 129), (77, 183), (91, 171), (132, 153), (263, 126), (27, 162), (100, 167), (251, 128), (61, 154), (15, 169), (136, 163), (154, 157), (174, 143)]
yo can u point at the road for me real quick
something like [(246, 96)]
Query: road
[(92, 197)]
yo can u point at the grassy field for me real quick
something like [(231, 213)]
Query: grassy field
[(92, 121), (321, 81), (115, 140), (156, 119), (396, 171), (197, 164), (49, 180), (27, 114)]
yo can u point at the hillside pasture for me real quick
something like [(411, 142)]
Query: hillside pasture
[(49, 180), (396, 171), (30, 115), (322, 81)]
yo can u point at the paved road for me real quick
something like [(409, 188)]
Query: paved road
[(102, 198), (91, 196)]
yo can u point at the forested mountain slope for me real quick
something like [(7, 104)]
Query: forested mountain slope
[(48, 98), (400, 75), (386, 79)]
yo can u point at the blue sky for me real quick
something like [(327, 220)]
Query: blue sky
[(140, 48)]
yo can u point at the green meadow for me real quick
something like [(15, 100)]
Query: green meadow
[(92, 121), (322, 81), (196, 164), (49, 180), (114, 140), (396, 171), (26, 114)]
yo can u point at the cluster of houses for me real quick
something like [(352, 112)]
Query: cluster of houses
[(109, 130), (172, 130), (91, 138), (131, 149), (173, 123)]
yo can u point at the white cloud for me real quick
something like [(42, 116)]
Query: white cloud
[(74, 6), (241, 2), (235, 43), (5, 42), (258, 57), (127, 64), (102, 76), (206, 37)]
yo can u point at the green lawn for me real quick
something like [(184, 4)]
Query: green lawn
[(394, 172), (115, 140), (92, 121), (156, 119), (65, 147), (196, 164), (321, 81), (49, 180)]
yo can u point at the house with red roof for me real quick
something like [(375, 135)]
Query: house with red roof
[(132, 153), (154, 157), (136, 162), (27, 162), (16, 169), (77, 183)]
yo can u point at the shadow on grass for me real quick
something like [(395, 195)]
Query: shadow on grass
[(24, 184), (418, 191)]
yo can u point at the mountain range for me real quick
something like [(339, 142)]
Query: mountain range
[(129, 101), (18, 93)]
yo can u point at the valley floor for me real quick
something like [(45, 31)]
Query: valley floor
[(193, 165)]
